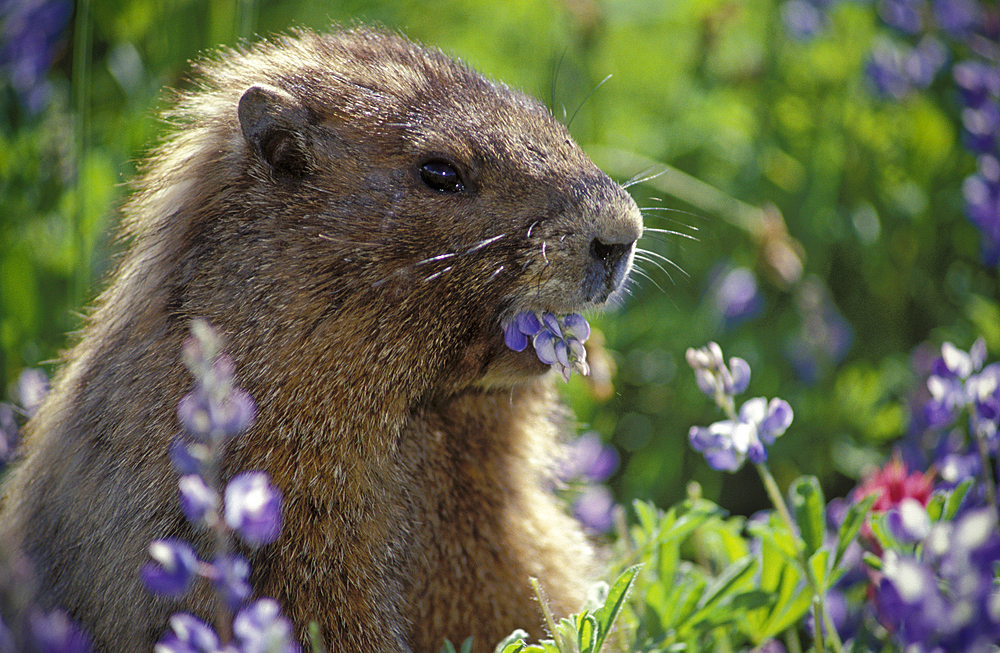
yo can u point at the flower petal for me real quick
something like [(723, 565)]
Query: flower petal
[(724, 460), (562, 353), (577, 326), (719, 434), (193, 632), (232, 573), (172, 569), (739, 370), (262, 627), (977, 355), (197, 498), (706, 381), (528, 323), (253, 508), (957, 361), (756, 451), (545, 347), (754, 410), (778, 419), (552, 324), (514, 338)]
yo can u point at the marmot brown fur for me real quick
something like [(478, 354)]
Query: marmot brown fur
[(359, 216)]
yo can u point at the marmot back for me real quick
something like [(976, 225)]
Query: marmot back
[(360, 216)]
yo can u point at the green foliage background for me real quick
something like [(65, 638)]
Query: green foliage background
[(775, 156)]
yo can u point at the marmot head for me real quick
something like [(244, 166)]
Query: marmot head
[(381, 195)]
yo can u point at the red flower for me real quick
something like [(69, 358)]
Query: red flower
[(893, 484)]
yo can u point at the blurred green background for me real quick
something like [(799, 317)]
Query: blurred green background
[(820, 225)]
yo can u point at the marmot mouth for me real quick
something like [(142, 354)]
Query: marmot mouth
[(557, 339)]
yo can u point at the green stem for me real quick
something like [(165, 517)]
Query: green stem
[(549, 620), (776, 498), (792, 641), (819, 605)]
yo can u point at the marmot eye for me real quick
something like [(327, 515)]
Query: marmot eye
[(442, 177)]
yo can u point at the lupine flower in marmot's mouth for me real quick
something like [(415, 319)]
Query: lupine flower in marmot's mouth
[(558, 341)]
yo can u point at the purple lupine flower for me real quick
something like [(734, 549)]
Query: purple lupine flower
[(216, 409), (590, 459), (953, 468), (253, 508), (172, 568), (904, 15), (261, 628), (230, 576), (55, 632), (944, 598), (894, 70), (188, 634), (976, 81), (557, 341), (981, 127), (588, 463), (982, 205), (712, 375), (522, 328), (198, 500), (189, 458), (594, 507), (30, 38), (802, 19), (957, 17), (908, 521), (205, 416), (32, 386), (925, 61), (727, 444), (736, 296), (958, 381)]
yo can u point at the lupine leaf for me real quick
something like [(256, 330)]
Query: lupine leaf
[(853, 520), (819, 565), (606, 615), (566, 635), (791, 605), (935, 504), (954, 500), (514, 647), (587, 631), (882, 532), (872, 560), (725, 581), (512, 643)]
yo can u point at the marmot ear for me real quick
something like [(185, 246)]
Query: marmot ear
[(273, 125)]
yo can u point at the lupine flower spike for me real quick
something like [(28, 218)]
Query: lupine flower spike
[(249, 506), (727, 444)]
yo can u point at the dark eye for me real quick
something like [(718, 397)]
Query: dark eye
[(442, 177)]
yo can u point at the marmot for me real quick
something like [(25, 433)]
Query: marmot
[(360, 216)]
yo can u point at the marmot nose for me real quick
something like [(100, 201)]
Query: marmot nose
[(609, 264), (608, 253)]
